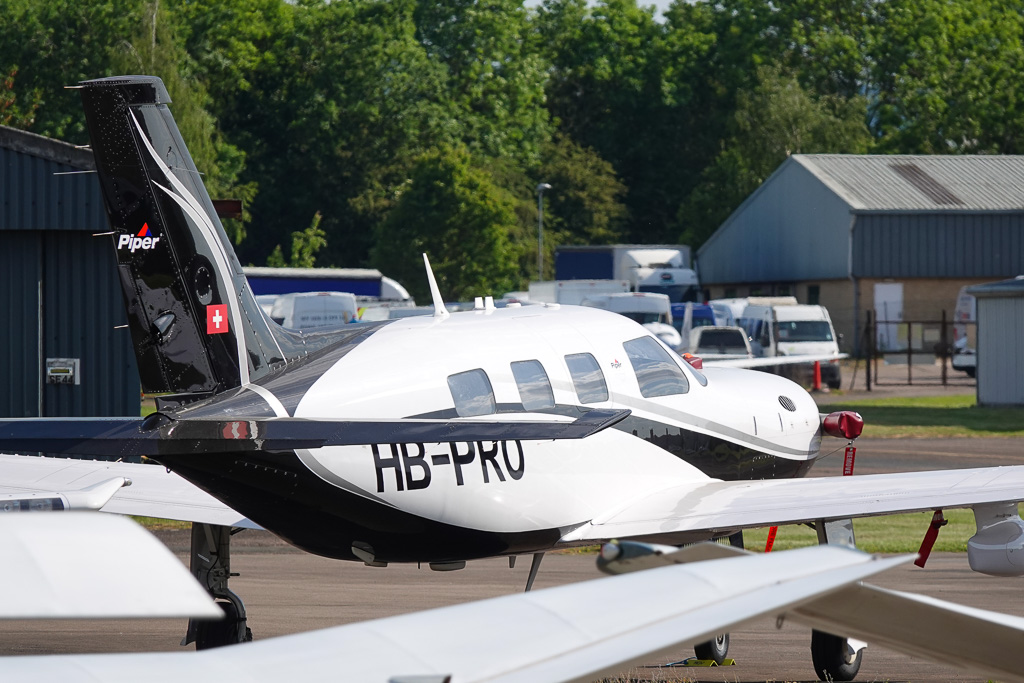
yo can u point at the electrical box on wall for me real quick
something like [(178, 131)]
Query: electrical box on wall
[(62, 371)]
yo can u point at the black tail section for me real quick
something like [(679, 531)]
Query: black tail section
[(194, 321)]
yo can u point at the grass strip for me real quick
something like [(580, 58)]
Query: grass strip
[(934, 417)]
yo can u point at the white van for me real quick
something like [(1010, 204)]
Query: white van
[(312, 310), (791, 329), (650, 309)]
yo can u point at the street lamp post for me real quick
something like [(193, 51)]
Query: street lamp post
[(540, 228)]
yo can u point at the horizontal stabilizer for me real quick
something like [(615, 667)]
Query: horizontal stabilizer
[(159, 435), (31, 483)]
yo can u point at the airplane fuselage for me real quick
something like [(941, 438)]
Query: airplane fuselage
[(442, 502)]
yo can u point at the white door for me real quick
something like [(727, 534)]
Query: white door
[(889, 315)]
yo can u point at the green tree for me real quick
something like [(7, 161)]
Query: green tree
[(777, 119), (945, 77), (154, 50), (13, 113), (611, 90), (58, 43), (334, 111), (494, 79), (585, 204), (453, 211), (62, 42), (305, 245)]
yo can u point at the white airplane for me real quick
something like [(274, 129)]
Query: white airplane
[(435, 439)]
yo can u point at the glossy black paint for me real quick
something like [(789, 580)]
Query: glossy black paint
[(170, 280), (279, 493)]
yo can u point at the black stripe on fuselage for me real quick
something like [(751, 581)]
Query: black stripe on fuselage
[(282, 495), (713, 455)]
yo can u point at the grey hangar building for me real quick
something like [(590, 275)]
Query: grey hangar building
[(62, 351), (896, 235)]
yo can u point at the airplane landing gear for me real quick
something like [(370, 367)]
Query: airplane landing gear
[(210, 563), (716, 649), (834, 658)]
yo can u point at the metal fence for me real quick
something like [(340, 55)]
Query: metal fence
[(924, 347)]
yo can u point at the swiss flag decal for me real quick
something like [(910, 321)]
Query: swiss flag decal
[(217, 319)]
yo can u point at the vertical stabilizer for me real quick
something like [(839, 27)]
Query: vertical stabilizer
[(193, 319)]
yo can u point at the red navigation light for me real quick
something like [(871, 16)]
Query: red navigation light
[(693, 360), (843, 424)]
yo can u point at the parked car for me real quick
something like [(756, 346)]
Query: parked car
[(719, 343), (965, 316)]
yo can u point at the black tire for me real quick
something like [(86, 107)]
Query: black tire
[(831, 659), (835, 384), (972, 372), (715, 649), (212, 634)]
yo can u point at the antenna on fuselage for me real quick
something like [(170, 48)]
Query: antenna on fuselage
[(439, 310)]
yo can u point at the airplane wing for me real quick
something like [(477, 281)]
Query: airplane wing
[(722, 506), (81, 565), (768, 361), (158, 434), (36, 483), (569, 633), (964, 637)]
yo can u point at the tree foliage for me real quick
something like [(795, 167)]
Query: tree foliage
[(453, 211), (416, 124)]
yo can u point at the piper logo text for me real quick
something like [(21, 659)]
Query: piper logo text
[(144, 240)]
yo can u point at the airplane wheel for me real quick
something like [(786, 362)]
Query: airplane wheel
[(224, 632), (832, 659), (715, 649)]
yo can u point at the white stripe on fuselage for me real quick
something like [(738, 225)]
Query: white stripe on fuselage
[(402, 369)]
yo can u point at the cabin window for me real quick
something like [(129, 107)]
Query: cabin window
[(655, 371), (587, 378), (472, 393), (534, 386)]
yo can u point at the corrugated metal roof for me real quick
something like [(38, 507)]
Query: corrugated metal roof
[(47, 185), (1011, 287), (906, 182)]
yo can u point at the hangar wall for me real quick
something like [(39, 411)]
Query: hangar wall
[(791, 227), (939, 245), (59, 287)]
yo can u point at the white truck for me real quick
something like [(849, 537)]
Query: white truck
[(650, 309), (779, 326), (659, 268), (312, 310), (571, 292)]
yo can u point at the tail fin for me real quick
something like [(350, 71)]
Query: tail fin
[(193, 318)]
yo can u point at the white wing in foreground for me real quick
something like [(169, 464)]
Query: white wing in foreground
[(722, 506), (94, 484), (964, 637), (84, 565), (574, 632)]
